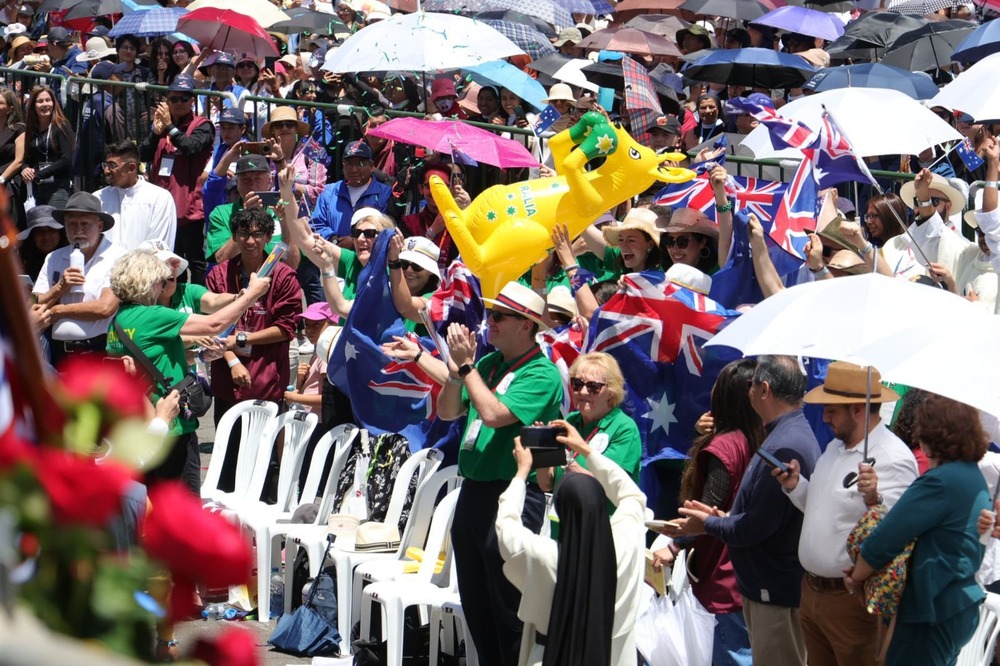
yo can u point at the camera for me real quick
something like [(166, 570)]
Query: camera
[(545, 450)]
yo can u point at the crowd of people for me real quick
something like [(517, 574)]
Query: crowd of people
[(146, 219)]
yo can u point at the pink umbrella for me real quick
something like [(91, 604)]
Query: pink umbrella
[(226, 30), (453, 137)]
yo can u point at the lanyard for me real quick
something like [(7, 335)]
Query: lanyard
[(492, 380)]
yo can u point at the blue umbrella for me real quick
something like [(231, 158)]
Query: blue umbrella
[(503, 74), (547, 10), (981, 42), (873, 75), (149, 22), (804, 22), (753, 67), (532, 22), (532, 42), (587, 6)]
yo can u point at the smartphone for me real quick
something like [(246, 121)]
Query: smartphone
[(772, 461), (545, 450), (269, 199), (519, 112), (27, 281), (256, 147)]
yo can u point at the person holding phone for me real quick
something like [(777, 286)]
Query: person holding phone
[(762, 529), (838, 630)]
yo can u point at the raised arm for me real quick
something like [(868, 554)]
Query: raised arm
[(407, 304), (216, 323), (724, 217), (767, 277)]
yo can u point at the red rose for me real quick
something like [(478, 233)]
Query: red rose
[(14, 450), (195, 545), (235, 647), (80, 490), (87, 378)]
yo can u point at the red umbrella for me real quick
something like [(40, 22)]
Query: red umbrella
[(630, 40), (226, 30)]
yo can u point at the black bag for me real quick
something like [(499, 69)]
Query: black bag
[(195, 396), (311, 630)]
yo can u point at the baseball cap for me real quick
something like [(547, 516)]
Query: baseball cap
[(358, 149), (252, 163), (318, 312), (232, 116), (166, 255), (58, 35), (181, 83)]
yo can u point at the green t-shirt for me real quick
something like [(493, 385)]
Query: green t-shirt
[(586, 261), (349, 269), (616, 437), (532, 391), (187, 298), (219, 231), (416, 326), (156, 331)]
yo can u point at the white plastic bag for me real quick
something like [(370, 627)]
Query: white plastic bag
[(29, 201)]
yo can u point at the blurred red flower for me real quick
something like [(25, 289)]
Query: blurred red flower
[(80, 490), (88, 378), (235, 647)]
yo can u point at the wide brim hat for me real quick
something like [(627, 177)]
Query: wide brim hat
[(970, 216), (84, 202), (638, 219), (97, 49), (849, 262), (165, 254), (571, 35), (909, 191), (522, 300), (18, 42), (39, 217), (561, 301), (691, 221), (560, 92), (847, 384), (422, 252), (281, 114)]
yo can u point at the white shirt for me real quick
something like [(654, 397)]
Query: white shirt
[(835, 510), (97, 274), (142, 212)]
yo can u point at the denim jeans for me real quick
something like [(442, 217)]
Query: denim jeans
[(731, 646)]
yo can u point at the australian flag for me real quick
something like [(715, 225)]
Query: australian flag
[(833, 157), (797, 212), (546, 119), (968, 154), (761, 197), (655, 330), (387, 395)]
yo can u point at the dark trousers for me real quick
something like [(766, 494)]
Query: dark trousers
[(335, 411), (176, 465), (935, 644), (489, 600), (312, 287), (58, 351), (190, 244)]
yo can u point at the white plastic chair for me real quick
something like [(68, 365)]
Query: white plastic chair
[(255, 418), (416, 535), (979, 650), (423, 588), (448, 619)]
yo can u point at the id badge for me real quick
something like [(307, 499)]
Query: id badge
[(166, 167), (471, 435)]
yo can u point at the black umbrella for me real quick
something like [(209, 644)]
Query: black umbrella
[(752, 67), (609, 75), (518, 17), (92, 8), (830, 6), (929, 46), (302, 19), (875, 30), (550, 64), (745, 10)]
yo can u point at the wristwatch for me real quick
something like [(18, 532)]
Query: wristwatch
[(241, 339), (465, 369)]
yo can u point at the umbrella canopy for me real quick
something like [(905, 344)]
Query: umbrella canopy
[(626, 6), (804, 22), (895, 325), (876, 30), (303, 19), (929, 46), (226, 30), (609, 74), (502, 73), (420, 42), (630, 40), (835, 6), (532, 22), (546, 10), (261, 11), (974, 91), (445, 135), (920, 7), (149, 22), (532, 42), (571, 72), (751, 67), (873, 75), (746, 10), (594, 7), (876, 121), (551, 64), (660, 24), (91, 8), (981, 42)]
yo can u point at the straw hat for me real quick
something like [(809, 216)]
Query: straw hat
[(847, 384), (908, 192), (691, 221), (18, 42), (280, 114), (638, 219), (561, 301), (522, 300)]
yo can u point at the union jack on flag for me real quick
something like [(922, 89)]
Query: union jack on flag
[(833, 157), (761, 197), (797, 212), (785, 133), (562, 345)]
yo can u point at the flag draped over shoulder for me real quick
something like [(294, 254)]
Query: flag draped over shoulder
[(562, 345)]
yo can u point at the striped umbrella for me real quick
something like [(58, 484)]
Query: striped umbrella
[(532, 42), (149, 23), (919, 6), (547, 10)]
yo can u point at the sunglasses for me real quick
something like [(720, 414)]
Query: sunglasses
[(257, 235), (367, 233), (284, 124), (681, 242), (178, 99), (936, 201), (498, 316), (828, 251), (577, 384), (408, 265)]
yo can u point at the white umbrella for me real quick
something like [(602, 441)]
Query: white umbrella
[(420, 42), (571, 73), (261, 11), (877, 122), (904, 329), (975, 91)]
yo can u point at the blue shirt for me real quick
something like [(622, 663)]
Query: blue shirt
[(762, 529), (332, 215)]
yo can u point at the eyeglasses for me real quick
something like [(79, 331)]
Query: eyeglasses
[(111, 166), (681, 242), (408, 265), (284, 124), (577, 384), (872, 216), (367, 233), (178, 99), (498, 316), (256, 235)]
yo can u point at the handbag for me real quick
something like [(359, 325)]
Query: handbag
[(195, 396), (311, 630), (883, 590)]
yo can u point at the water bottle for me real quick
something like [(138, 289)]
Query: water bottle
[(277, 593), (214, 612), (76, 261)]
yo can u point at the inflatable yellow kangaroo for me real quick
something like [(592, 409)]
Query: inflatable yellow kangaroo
[(508, 228)]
